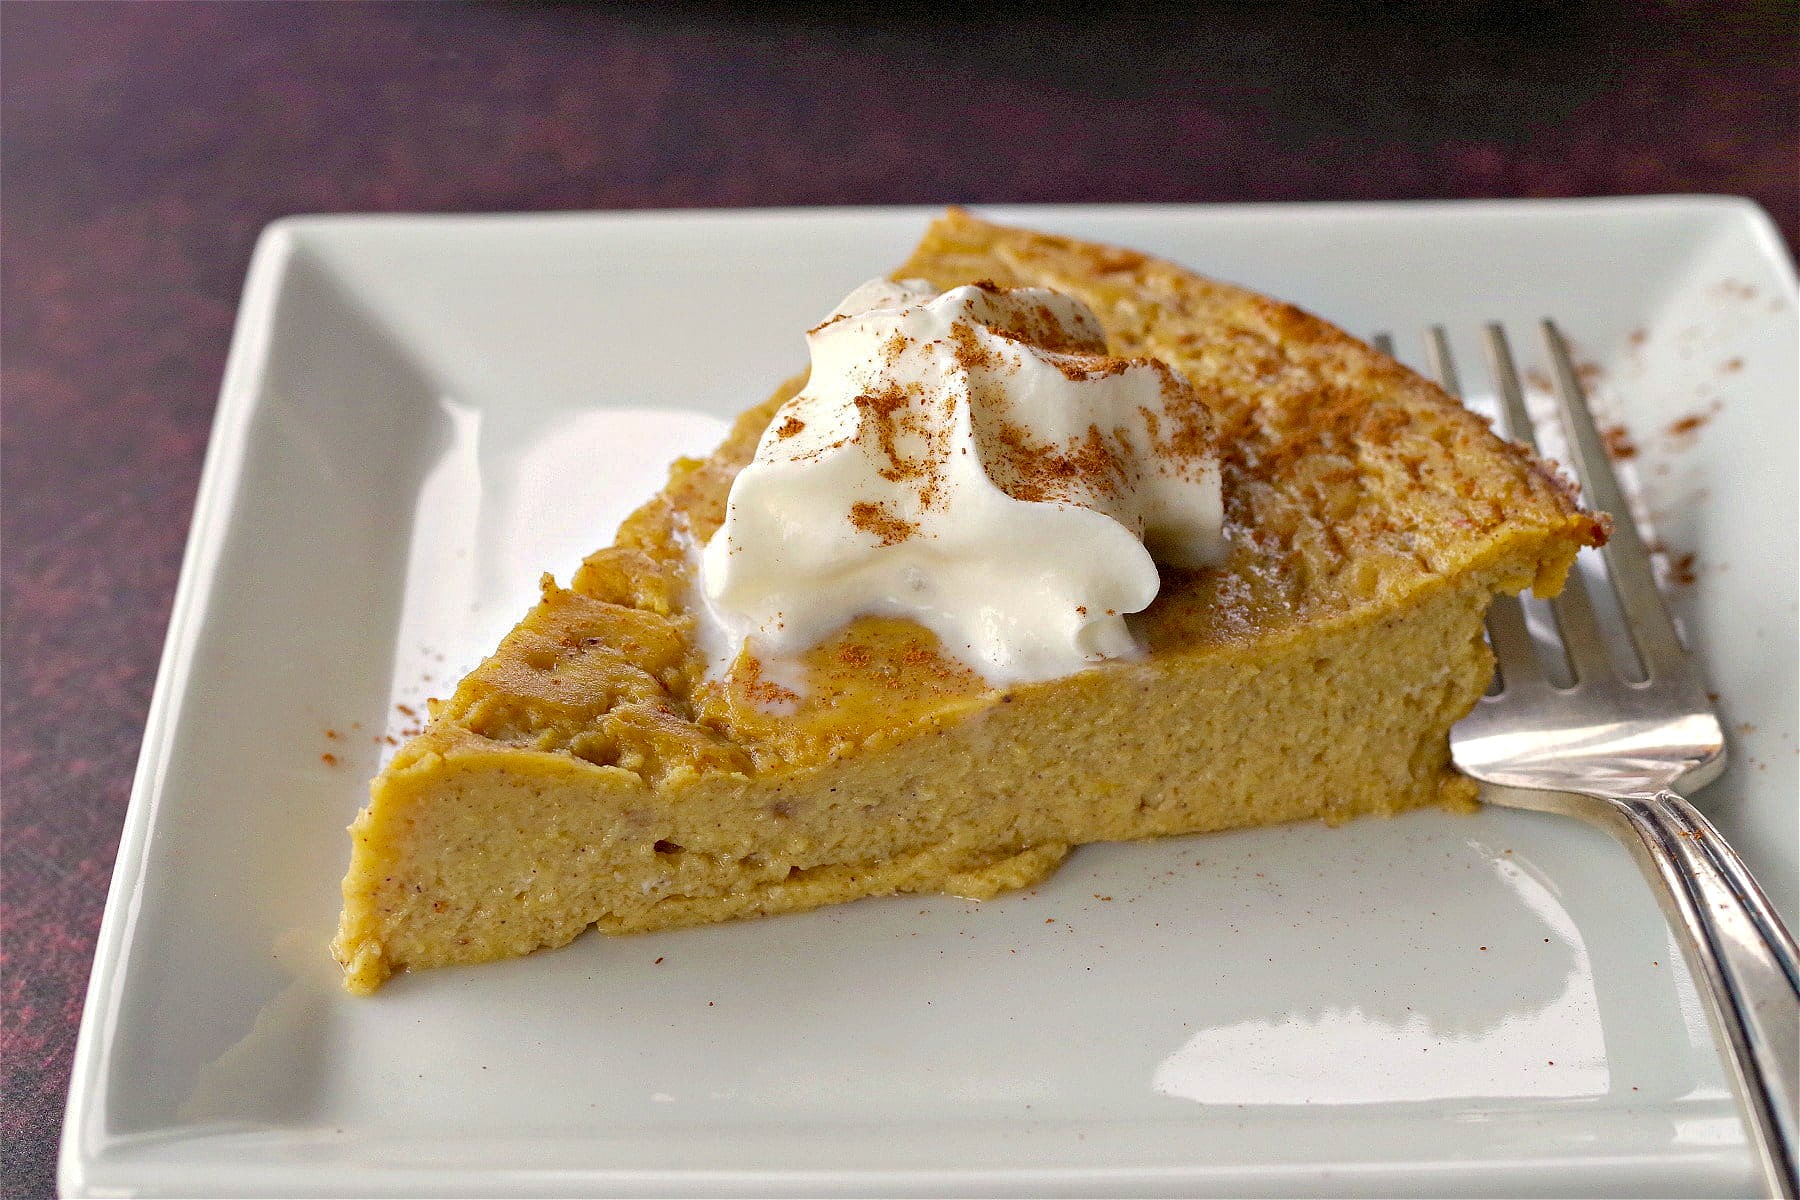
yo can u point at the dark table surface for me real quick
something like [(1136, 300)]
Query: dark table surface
[(145, 146)]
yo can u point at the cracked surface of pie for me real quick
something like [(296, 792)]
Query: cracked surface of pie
[(590, 774)]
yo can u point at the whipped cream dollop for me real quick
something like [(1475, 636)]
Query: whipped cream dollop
[(974, 461)]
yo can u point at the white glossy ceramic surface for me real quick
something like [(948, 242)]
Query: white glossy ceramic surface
[(420, 414)]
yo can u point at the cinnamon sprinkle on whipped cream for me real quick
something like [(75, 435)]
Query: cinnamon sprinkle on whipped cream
[(975, 461)]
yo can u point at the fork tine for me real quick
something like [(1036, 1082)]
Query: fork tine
[(1384, 342), (1437, 350), (1511, 640), (1515, 421), (1627, 560), (1582, 639)]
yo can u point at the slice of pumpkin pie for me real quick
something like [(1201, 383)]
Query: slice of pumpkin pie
[(1055, 543)]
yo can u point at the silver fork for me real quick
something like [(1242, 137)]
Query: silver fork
[(1611, 749)]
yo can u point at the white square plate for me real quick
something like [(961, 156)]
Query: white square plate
[(421, 413)]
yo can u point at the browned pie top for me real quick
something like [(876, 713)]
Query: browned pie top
[(1348, 481)]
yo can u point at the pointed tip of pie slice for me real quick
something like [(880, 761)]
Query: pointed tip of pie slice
[(365, 965)]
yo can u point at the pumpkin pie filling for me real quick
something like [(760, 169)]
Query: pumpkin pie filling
[(599, 770)]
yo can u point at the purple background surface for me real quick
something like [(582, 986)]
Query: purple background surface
[(145, 145)]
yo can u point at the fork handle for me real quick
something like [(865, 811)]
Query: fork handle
[(1745, 960)]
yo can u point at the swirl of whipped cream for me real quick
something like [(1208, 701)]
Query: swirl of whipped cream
[(974, 461)]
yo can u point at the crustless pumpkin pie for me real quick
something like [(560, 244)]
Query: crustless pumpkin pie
[(594, 772)]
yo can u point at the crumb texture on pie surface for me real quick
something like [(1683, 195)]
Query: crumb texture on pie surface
[(588, 773)]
